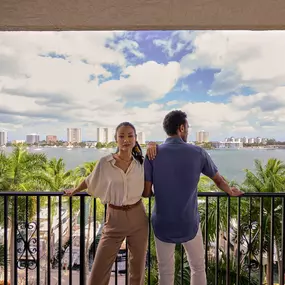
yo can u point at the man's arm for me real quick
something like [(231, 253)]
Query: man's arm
[(221, 183), (210, 169), (148, 178)]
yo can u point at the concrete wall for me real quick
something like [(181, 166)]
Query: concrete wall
[(141, 14)]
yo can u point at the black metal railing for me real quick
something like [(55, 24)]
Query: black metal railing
[(244, 239)]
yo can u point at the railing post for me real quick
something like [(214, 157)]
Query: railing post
[(49, 243), (149, 241), (271, 257), (82, 241), (228, 240), (38, 240), (70, 241), (14, 279), (217, 241), (261, 242), (206, 232), (5, 240), (283, 242), (250, 239), (238, 241)]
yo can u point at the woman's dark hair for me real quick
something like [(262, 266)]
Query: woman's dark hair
[(173, 121), (136, 151)]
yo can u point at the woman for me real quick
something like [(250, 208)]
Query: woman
[(118, 180)]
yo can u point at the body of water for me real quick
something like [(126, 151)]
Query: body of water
[(231, 163)]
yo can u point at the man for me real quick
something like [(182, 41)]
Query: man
[(175, 174)]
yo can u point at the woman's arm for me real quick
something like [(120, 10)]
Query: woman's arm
[(71, 192), (147, 192)]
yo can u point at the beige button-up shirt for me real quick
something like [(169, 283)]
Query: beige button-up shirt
[(112, 185)]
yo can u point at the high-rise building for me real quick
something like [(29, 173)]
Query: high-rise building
[(251, 140), (74, 135), (3, 138), (258, 140), (245, 140), (51, 139), (105, 135), (264, 140), (202, 136), (141, 137), (32, 139)]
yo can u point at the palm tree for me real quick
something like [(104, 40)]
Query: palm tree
[(81, 172), (56, 179), (268, 178), (208, 217), (20, 171)]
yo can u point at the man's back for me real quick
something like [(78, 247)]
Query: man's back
[(175, 173)]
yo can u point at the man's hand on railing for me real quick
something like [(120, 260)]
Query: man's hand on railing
[(151, 150), (235, 192)]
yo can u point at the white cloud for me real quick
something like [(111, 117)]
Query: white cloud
[(171, 103), (245, 58), (43, 93), (178, 41), (37, 82), (128, 45)]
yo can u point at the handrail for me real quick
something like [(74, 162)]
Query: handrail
[(200, 194)]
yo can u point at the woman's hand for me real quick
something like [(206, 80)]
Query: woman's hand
[(151, 150), (69, 192)]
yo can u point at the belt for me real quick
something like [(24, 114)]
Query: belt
[(126, 207)]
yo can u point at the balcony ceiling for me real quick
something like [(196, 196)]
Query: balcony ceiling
[(143, 14)]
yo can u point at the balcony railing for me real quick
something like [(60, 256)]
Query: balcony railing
[(47, 238)]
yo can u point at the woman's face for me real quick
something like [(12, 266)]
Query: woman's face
[(126, 138)]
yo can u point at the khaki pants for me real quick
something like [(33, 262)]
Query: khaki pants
[(195, 255), (131, 224)]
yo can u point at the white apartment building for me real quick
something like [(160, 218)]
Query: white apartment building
[(251, 140), (74, 135), (141, 137), (264, 140), (3, 138), (105, 135), (32, 139), (202, 136), (258, 140), (228, 144), (245, 140)]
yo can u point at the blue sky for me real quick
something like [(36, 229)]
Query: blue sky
[(230, 83)]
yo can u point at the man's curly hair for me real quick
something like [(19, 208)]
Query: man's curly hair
[(173, 121)]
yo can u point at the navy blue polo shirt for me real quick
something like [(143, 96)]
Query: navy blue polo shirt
[(175, 173)]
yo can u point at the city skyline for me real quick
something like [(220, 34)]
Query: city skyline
[(228, 82), (108, 136)]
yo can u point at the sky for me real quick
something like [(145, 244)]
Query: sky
[(230, 83)]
